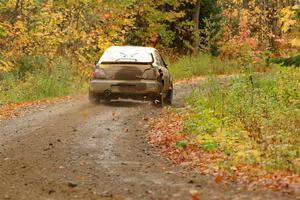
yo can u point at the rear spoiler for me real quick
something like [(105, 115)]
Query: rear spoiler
[(139, 63), (134, 61)]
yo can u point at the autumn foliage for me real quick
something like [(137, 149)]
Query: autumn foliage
[(81, 30), (251, 124)]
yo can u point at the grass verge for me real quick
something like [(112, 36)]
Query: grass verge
[(37, 81), (203, 65), (252, 120), (245, 129), (36, 78)]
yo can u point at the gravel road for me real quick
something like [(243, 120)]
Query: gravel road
[(75, 150)]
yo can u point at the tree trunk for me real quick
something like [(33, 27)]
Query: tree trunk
[(273, 24), (196, 20), (17, 5), (246, 3)]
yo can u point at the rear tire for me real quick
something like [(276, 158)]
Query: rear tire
[(169, 97), (162, 100), (94, 98)]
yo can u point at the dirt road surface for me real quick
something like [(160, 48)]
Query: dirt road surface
[(75, 150)]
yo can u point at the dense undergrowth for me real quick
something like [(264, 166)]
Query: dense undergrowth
[(251, 119), (36, 78), (202, 65)]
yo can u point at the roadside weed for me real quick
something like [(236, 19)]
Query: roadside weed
[(256, 124), (201, 65), (39, 81)]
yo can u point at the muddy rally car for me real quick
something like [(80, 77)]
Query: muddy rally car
[(131, 72)]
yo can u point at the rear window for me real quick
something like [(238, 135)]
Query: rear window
[(125, 56)]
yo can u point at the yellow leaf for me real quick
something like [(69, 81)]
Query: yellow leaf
[(288, 24), (295, 42), (5, 66), (235, 13)]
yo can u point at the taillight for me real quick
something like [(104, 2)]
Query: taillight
[(93, 75), (99, 74), (150, 74)]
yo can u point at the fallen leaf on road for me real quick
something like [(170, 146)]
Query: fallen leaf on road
[(218, 179), (85, 115), (195, 194)]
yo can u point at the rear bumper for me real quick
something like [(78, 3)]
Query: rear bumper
[(138, 87)]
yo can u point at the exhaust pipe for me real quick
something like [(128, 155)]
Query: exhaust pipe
[(107, 93)]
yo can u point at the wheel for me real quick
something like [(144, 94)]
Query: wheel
[(162, 100), (94, 97), (169, 97)]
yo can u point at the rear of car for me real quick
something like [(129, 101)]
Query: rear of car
[(126, 72)]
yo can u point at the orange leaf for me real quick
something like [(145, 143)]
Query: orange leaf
[(218, 179), (195, 194)]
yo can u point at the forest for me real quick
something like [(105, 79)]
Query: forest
[(48, 49), (41, 36)]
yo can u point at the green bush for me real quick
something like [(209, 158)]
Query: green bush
[(35, 81), (28, 64), (256, 123), (201, 65)]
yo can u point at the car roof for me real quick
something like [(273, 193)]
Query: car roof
[(137, 54), (139, 49)]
